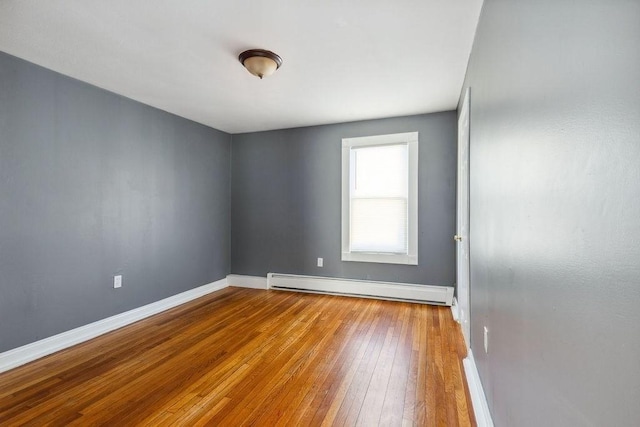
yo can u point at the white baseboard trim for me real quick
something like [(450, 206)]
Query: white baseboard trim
[(27, 353), (455, 312), (478, 398), (253, 282), (429, 294)]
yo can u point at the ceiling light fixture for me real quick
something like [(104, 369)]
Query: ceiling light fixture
[(260, 62)]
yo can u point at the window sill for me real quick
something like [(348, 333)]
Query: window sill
[(380, 258)]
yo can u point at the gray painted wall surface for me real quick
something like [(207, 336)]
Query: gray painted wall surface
[(555, 211), (286, 201), (91, 185)]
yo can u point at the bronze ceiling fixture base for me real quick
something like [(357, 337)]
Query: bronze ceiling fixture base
[(260, 62)]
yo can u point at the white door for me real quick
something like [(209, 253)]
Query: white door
[(462, 221)]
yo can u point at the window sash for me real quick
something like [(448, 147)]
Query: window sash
[(379, 225)]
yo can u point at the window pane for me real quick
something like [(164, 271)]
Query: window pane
[(379, 225), (380, 171)]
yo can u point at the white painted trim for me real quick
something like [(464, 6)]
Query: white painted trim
[(441, 295), (253, 282), (463, 252), (380, 258), (30, 352), (478, 398), (411, 139), (454, 310)]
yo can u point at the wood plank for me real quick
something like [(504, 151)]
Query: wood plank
[(352, 402), (325, 402), (334, 343), (393, 405), (371, 409), (255, 357)]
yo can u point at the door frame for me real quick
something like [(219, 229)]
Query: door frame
[(463, 268)]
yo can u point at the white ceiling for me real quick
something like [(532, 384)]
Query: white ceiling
[(343, 60)]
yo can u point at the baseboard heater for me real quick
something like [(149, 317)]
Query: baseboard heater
[(426, 294)]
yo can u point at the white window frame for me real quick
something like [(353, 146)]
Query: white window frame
[(411, 257)]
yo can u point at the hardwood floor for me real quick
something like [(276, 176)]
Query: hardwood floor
[(252, 357)]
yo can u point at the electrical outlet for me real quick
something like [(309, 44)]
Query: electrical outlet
[(320, 262), (486, 340), (117, 281)]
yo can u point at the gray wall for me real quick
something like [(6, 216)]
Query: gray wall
[(286, 198), (91, 185), (555, 211)]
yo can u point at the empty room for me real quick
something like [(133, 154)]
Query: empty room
[(371, 213)]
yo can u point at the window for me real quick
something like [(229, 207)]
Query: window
[(380, 199)]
